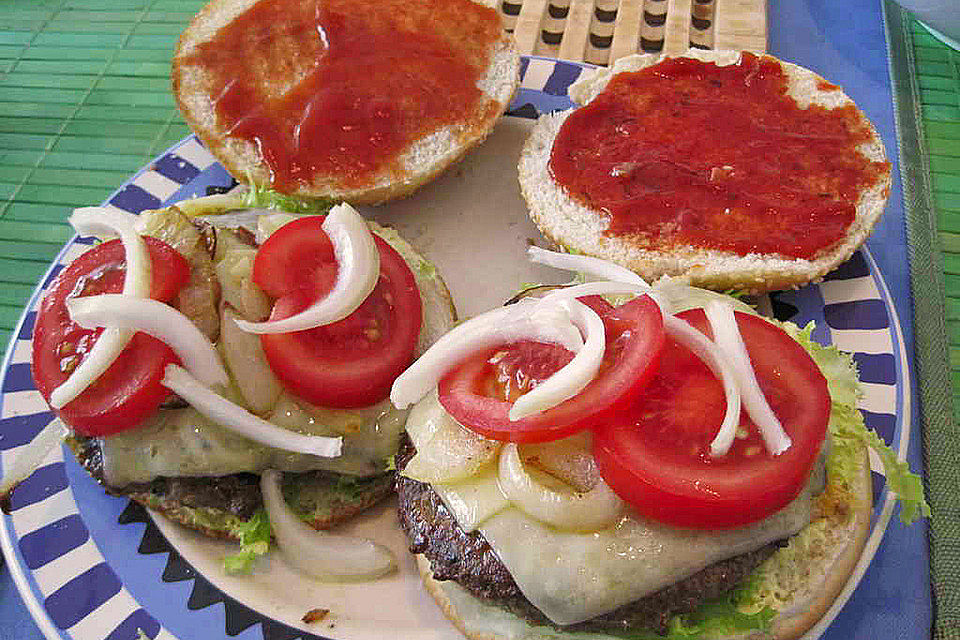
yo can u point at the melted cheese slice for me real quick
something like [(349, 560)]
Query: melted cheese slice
[(181, 442), (474, 501), (572, 576)]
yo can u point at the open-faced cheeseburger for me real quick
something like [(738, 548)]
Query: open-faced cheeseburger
[(734, 169), (229, 352), (355, 100), (582, 469)]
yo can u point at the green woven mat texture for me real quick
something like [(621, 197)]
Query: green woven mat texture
[(936, 68), (69, 71), (926, 80)]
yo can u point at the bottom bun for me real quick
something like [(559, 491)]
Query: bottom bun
[(829, 567), (800, 581)]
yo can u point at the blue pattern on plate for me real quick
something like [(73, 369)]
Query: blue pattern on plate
[(876, 368), (863, 314), (563, 75), (82, 595), (855, 267), (26, 328), (20, 430), (176, 168), (45, 482), (49, 542), (885, 424), (136, 622), (135, 199), (18, 378), (173, 588)]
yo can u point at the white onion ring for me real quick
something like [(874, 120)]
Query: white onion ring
[(159, 320), (522, 321), (237, 419), (447, 451), (613, 278), (680, 297), (594, 267), (726, 334), (588, 511), (709, 353), (569, 459), (317, 553), (607, 287), (31, 455), (215, 206), (100, 221), (571, 378), (598, 288), (358, 262)]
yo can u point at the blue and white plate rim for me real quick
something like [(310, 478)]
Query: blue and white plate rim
[(855, 292)]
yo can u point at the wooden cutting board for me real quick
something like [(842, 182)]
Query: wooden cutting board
[(601, 31)]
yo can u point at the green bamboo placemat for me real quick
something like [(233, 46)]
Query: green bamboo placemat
[(926, 78), (71, 70)]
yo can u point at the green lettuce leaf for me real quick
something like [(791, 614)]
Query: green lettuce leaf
[(719, 618), (254, 536), (848, 423), (259, 196)]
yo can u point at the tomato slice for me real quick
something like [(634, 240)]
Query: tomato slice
[(350, 363), (655, 455), (130, 389), (297, 256), (479, 392)]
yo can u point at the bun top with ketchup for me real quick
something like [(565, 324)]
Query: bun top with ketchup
[(735, 170), (362, 101)]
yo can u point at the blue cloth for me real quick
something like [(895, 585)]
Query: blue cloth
[(15, 621), (845, 42)]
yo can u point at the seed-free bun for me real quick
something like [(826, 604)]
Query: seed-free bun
[(802, 580), (577, 228), (421, 162)]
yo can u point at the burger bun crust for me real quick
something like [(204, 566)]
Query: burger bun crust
[(424, 160), (574, 227)]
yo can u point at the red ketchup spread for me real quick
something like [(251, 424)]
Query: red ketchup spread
[(718, 157), (342, 87)]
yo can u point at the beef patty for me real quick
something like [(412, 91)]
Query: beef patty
[(468, 559), (320, 498)]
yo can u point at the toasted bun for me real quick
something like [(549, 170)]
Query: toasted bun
[(420, 162), (806, 577), (802, 580), (577, 228)]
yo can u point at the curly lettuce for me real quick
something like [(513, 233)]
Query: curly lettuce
[(254, 536), (267, 198), (847, 423)]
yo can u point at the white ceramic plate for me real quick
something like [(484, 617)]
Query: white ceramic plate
[(90, 566)]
